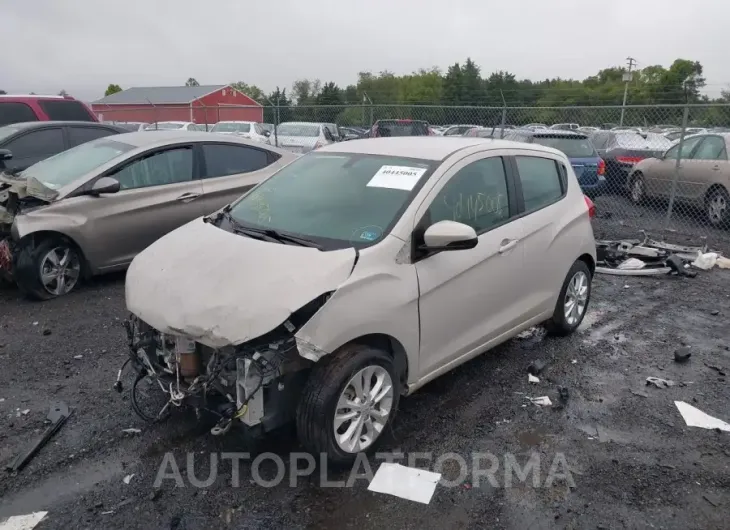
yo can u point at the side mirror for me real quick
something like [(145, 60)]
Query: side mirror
[(267, 134), (105, 185), (450, 235), (5, 154)]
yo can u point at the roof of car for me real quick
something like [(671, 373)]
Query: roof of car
[(424, 147), (163, 137), (59, 123)]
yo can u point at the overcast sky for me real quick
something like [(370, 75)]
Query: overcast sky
[(83, 45)]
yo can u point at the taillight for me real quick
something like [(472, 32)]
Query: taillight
[(591, 207), (601, 167), (629, 159)]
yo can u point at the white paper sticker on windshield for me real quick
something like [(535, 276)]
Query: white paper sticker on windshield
[(397, 177)]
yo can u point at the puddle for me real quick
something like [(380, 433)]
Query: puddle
[(59, 486)]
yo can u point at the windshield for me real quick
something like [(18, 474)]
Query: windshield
[(297, 129), (8, 131), (232, 127), (64, 168), (650, 141), (572, 147), (340, 201), (168, 126)]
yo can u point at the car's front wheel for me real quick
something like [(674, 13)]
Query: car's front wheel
[(637, 188), (347, 404), (572, 301), (48, 269)]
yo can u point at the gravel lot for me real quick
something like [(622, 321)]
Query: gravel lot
[(634, 462)]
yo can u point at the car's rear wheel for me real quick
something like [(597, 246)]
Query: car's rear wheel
[(347, 404), (717, 206), (48, 269), (637, 188), (572, 302)]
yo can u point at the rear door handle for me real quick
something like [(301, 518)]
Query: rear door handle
[(188, 197), (715, 168), (507, 245)]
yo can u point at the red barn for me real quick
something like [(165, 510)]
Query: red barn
[(198, 104)]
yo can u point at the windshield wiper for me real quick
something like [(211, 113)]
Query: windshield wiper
[(278, 236)]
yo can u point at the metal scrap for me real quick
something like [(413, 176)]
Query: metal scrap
[(659, 382), (57, 415)]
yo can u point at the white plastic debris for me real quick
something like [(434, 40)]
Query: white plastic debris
[(23, 522), (35, 323), (632, 264), (128, 479), (131, 430), (2, 399), (723, 262), (694, 417), (405, 482), (542, 401), (659, 382), (78, 357), (532, 379), (574, 361), (627, 286), (705, 261)]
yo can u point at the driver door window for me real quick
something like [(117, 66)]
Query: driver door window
[(687, 147), (161, 168), (712, 148)]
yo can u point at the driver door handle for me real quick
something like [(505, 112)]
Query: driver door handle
[(188, 197), (507, 245)]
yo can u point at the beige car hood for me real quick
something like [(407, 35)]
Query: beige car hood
[(22, 187), (222, 289)]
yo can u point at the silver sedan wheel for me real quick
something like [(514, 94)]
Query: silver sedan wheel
[(637, 190), (576, 298), (717, 208), (363, 409), (60, 270)]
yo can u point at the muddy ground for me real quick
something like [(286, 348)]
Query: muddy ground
[(633, 461)]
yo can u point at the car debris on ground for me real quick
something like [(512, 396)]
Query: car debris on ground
[(57, 415), (406, 482), (682, 355), (542, 401), (694, 417), (651, 257), (659, 382), (532, 379)]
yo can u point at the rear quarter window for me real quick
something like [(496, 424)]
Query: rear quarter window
[(15, 112), (541, 182), (65, 110)]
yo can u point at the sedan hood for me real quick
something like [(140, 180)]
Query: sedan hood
[(220, 288)]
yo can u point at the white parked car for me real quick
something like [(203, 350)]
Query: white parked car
[(302, 137), (355, 275), (245, 129), (171, 126)]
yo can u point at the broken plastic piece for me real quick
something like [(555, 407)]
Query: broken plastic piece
[(57, 415), (677, 265), (542, 401), (632, 264), (128, 478), (532, 379), (705, 261), (659, 382), (405, 482), (694, 417), (648, 271)]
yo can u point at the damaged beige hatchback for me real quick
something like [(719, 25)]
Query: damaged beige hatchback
[(353, 276)]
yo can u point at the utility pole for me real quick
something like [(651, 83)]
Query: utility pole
[(627, 79)]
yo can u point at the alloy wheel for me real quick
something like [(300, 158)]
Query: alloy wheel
[(576, 298), (60, 270)]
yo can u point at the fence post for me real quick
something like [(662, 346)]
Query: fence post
[(675, 178), (504, 114)]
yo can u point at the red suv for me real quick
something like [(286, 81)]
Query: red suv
[(16, 109)]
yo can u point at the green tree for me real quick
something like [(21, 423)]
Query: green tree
[(330, 95), (192, 82), (2, 92), (251, 91), (112, 89)]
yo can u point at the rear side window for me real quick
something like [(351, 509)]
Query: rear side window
[(13, 112), (45, 142), (81, 135), (222, 159), (401, 128), (65, 110), (600, 140), (572, 147), (541, 182)]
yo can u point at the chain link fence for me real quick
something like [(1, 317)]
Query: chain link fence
[(662, 169)]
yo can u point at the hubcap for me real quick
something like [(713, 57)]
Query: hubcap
[(717, 208), (363, 409), (60, 270), (638, 190), (576, 298)]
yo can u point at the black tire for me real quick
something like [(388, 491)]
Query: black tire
[(637, 188), (558, 324), (27, 266), (317, 407), (714, 217)]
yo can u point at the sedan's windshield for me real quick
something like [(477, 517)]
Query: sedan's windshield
[(8, 130), (297, 129), (572, 147), (232, 127), (64, 168), (339, 201)]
